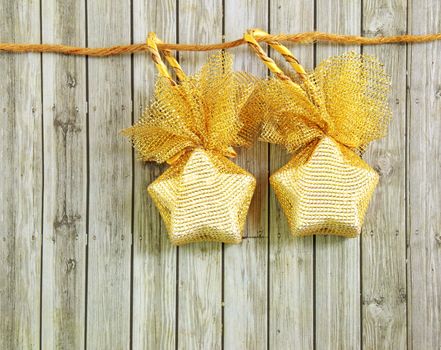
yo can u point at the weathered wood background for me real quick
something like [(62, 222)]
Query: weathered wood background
[(84, 258)]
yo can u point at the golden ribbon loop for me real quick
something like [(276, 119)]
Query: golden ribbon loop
[(249, 37), (152, 42), (283, 50)]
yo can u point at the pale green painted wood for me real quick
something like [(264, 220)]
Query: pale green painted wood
[(110, 180), (424, 180), (154, 259), (246, 265), (65, 175), (384, 234), (351, 309), (21, 183)]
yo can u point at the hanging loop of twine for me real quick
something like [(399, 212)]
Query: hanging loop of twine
[(252, 36), (283, 50), (152, 45), (250, 39)]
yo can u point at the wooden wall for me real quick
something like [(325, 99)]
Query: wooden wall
[(84, 257)]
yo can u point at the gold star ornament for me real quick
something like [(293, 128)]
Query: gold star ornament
[(325, 119), (193, 126), (203, 198), (325, 190)]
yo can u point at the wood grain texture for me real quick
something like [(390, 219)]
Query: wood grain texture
[(200, 265), (21, 186), (245, 267), (68, 179), (65, 169), (384, 234), (154, 260), (291, 284), (337, 278), (110, 180), (424, 180)]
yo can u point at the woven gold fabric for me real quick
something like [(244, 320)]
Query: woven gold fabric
[(203, 197), (325, 189), (193, 125), (327, 121)]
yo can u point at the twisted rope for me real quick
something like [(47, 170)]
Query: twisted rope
[(300, 38), (152, 44)]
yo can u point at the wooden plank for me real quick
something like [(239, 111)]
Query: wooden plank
[(65, 169), (154, 260), (384, 235), (200, 265), (110, 180), (291, 259), (424, 185), (337, 277), (245, 267), (21, 185)]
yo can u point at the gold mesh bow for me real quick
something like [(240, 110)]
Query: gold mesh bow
[(193, 126), (326, 120)]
